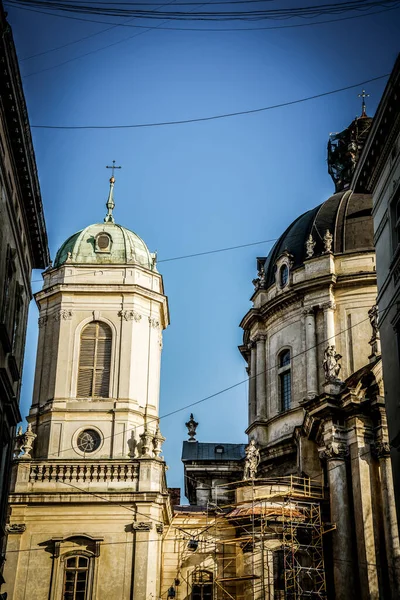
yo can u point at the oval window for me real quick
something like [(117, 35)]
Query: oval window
[(284, 275), (103, 241)]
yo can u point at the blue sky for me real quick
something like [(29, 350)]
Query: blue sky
[(191, 188)]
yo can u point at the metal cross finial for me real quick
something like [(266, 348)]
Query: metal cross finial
[(364, 108), (113, 168), (110, 204)]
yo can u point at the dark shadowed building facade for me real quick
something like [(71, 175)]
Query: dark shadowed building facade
[(23, 247)]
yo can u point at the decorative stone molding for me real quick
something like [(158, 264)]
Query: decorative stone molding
[(160, 528), (260, 337), (42, 321), (334, 451), (154, 323), (308, 311), (130, 315), (63, 315), (251, 344), (142, 526), (381, 449), (15, 528), (96, 315)]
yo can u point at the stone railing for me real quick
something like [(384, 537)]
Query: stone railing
[(84, 472)]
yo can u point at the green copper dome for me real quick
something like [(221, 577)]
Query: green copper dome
[(105, 243)]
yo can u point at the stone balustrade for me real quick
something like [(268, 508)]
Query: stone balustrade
[(84, 472)]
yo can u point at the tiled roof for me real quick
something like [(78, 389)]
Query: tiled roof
[(207, 451)]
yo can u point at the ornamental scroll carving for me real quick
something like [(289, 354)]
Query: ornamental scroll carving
[(381, 449), (42, 321), (63, 315), (142, 526), (333, 451), (160, 528), (16, 528), (154, 323), (130, 315)]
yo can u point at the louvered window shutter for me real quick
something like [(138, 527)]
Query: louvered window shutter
[(94, 361)]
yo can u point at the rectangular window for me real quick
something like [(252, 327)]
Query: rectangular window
[(286, 395)]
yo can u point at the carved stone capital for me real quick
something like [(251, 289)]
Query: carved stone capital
[(381, 449), (309, 311), (333, 451), (160, 528), (328, 305), (130, 315), (15, 528), (260, 337), (251, 345), (63, 315), (154, 323), (142, 526), (42, 321)]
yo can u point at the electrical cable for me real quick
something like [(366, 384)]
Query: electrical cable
[(249, 15), (214, 117)]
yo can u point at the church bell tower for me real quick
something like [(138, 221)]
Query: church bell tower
[(89, 499)]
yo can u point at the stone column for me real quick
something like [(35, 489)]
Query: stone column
[(382, 450), (311, 353), (364, 516), (343, 566), (261, 381), (252, 383)]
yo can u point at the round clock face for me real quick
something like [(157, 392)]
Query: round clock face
[(88, 440)]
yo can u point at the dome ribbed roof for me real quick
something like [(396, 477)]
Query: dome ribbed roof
[(87, 247), (348, 217)]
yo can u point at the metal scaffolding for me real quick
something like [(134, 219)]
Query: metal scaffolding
[(267, 545)]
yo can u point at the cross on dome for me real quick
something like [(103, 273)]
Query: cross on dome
[(363, 95), (110, 204)]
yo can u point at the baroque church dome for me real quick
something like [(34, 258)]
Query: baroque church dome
[(346, 215), (105, 243)]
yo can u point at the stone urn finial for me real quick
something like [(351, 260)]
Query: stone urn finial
[(191, 426), (24, 443)]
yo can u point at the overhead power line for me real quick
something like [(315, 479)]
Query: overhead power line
[(115, 10), (214, 117)]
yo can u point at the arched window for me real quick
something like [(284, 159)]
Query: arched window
[(202, 585), (285, 379), (94, 361), (283, 275), (76, 578)]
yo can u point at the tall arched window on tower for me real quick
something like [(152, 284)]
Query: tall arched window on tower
[(202, 585), (94, 361), (285, 379)]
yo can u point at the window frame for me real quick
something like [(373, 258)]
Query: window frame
[(198, 586), (93, 368), (284, 372), (77, 569)]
